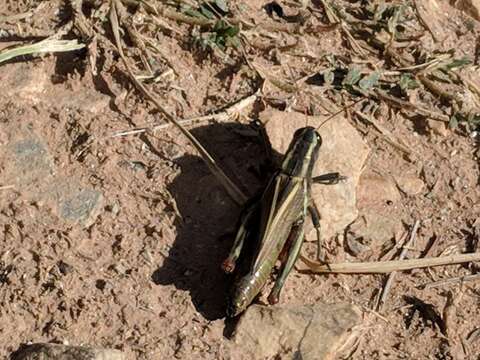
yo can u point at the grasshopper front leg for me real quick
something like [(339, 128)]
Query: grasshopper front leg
[(315, 216), (295, 242), (329, 179), (325, 179), (248, 214)]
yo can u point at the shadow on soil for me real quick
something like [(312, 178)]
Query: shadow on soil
[(209, 216)]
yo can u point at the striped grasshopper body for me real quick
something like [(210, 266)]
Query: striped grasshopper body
[(273, 223)]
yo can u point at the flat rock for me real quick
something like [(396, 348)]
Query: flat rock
[(343, 150), (375, 189), (32, 160), (432, 13), (31, 169), (63, 352), (81, 206), (294, 332)]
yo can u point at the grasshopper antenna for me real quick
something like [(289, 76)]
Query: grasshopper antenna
[(338, 112)]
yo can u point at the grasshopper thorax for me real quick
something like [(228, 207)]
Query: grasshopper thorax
[(302, 153)]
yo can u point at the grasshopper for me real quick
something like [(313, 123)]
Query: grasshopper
[(272, 224)]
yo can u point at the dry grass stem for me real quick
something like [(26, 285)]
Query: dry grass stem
[(44, 46), (225, 115), (453, 280), (405, 105), (391, 276), (383, 267), (387, 135)]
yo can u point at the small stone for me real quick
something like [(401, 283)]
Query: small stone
[(343, 150), (294, 332), (63, 352), (32, 161), (371, 231), (81, 206), (410, 185)]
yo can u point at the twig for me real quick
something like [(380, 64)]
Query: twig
[(334, 19), (383, 267), (218, 117), (387, 135), (79, 20), (391, 276), (236, 194), (6, 187), (453, 280), (405, 105)]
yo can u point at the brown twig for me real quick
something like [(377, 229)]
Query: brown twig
[(405, 105), (387, 135), (453, 280), (391, 276), (218, 117)]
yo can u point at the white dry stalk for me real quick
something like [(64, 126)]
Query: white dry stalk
[(384, 267), (44, 46)]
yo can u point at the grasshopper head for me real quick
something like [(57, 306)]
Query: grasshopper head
[(302, 152)]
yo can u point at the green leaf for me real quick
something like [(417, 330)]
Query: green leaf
[(407, 82), (206, 12), (222, 5), (394, 20), (328, 77), (369, 81), (453, 123), (474, 119), (233, 42), (194, 13), (231, 31), (219, 26), (458, 63), (352, 77)]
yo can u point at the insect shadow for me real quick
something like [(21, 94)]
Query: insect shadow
[(208, 220)]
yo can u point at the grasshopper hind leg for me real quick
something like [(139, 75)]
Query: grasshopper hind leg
[(295, 241), (246, 218), (315, 215)]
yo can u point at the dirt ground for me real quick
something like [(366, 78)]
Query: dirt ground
[(117, 241)]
